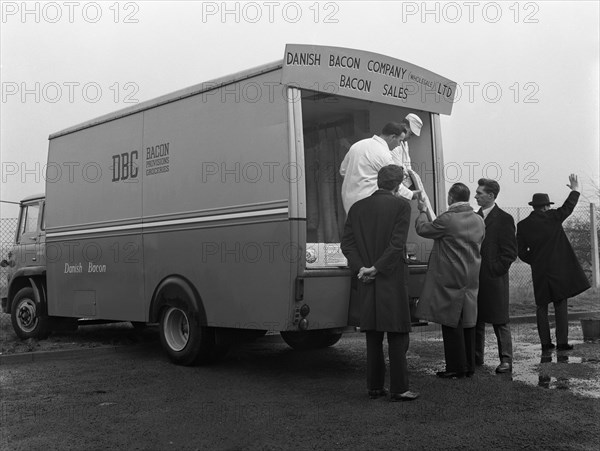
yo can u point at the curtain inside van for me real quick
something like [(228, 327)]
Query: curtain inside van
[(325, 145)]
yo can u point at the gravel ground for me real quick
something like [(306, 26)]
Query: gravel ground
[(93, 336), (264, 396)]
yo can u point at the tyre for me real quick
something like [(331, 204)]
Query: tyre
[(27, 320), (184, 339), (311, 339)]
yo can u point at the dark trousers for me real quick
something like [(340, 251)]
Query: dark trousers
[(562, 322), (397, 347), (503, 337), (459, 348)]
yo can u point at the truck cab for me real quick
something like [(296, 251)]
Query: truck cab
[(26, 271)]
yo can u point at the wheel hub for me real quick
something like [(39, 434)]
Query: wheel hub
[(27, 315), (177, 329)]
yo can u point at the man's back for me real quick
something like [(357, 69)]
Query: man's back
[(375, 236), (452, 280), (542, 231), (360, 167), (459, 233), (542, 242), (541, 235), (374, 243), (376, 221)]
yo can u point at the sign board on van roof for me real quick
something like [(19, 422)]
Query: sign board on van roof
[(367, 76)]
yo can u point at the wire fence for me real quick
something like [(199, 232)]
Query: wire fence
[(8, 228)]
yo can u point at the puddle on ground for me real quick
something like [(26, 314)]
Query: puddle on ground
[(574, 370), (577, 371)]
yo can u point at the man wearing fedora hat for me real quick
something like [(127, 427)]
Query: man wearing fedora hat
[(556, 272)]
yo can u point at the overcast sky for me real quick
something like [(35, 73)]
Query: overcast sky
[(528, 74)]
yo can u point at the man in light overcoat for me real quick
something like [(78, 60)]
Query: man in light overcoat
[(374, 242), (449, 295), (498, 251)]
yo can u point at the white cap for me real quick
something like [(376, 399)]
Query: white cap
[(415, 123)]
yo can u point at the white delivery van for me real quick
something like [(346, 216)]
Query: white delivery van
[(216, 210)]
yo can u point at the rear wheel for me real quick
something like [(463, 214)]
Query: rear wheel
[(27, 320), (184, 339), (311, 339)]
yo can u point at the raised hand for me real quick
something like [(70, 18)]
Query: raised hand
[(573, 182)]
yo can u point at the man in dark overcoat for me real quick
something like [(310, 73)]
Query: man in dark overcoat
[(498, 251), (374, 242), (555, 270)]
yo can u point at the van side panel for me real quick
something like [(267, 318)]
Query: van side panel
[(90, 182), (215, 202), (241, 271), (224, 148), (94, 205)]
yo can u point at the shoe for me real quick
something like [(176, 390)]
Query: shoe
[(565, 347), (470, 373), (504, 367), (406, 396), (544, 381), (548, 347), (450, 375), (374, 394)]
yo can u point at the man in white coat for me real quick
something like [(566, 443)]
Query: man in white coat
[(364, 160), (400, 154)]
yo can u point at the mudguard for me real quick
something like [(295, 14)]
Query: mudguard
[(170, 291), (35, 276)]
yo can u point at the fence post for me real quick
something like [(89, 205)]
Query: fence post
[(594, 243)]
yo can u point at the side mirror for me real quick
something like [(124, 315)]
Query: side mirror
[(4, 263)]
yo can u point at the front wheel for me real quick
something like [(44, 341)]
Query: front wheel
[(311, 339), (185, 341), (27, 320)]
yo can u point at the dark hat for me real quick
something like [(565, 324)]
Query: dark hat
[(540, 199)]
